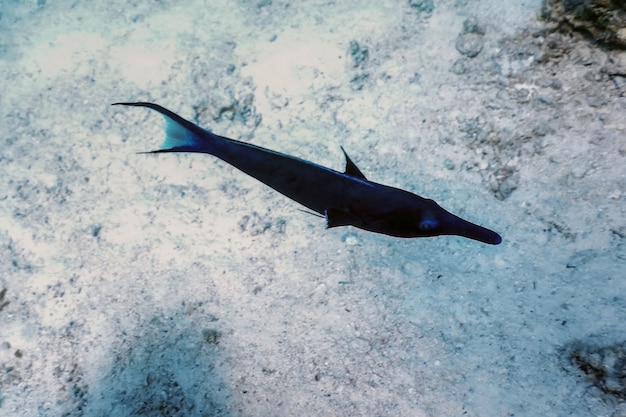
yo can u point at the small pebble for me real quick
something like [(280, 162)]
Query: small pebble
[(470, 40), (459, 67), (350, 239)]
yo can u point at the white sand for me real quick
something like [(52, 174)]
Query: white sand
[(122, 270)]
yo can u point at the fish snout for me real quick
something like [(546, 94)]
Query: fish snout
[(457, 226)]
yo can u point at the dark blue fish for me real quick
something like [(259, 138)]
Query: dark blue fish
[(343, 198)]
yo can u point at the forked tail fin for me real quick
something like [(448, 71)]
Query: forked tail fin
[(180, 135)]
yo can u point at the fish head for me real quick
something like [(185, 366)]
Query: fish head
[(433, 220), (420, 217)]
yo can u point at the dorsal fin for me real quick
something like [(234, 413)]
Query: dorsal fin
[(351, 168)]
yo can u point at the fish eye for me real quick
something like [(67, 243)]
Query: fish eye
[(426, 225)]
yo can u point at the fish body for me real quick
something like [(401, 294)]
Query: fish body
[(343, 198)]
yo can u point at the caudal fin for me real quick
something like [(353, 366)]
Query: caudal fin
[(180, 135)]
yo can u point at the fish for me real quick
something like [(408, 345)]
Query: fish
[(343, 198)]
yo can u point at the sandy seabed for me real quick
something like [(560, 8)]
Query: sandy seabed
[(174, 285)]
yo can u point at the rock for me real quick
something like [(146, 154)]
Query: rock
[(602, 20), (360, 54), (211, 336), (256, 224), (505, 181), (605, 366), (471, 25), (422, 6), (459, 67), (617, 64), (449, 164), (470, 40), (469, 44)]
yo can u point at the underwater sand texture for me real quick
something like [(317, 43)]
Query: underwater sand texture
[(174, 285)]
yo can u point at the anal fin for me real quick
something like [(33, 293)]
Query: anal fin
[(336, 217)]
